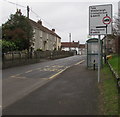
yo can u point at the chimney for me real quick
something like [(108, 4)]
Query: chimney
[(19, 12), (53, 30), (39, 22)]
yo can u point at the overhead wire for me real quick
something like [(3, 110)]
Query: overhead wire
[(41, 18), (16, 4), (47, 22)]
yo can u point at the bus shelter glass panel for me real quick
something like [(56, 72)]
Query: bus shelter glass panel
[(93, 48), (92, 53), (92, 60)]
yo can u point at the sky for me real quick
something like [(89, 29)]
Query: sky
[(64, 16)]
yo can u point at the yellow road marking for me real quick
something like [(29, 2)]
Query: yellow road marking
[(80, 62), (37, 68), (15, 75), (58, 73), (19, 77), (29, 71), (44, 78)]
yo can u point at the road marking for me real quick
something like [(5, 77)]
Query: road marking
[(44, 78), (15, 75), (55, 68), (20, 77), (58, 73), (79, 62), (29, 71)]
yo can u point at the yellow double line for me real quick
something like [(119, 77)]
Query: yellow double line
[(58, 73), (64, 70), (80, 62)]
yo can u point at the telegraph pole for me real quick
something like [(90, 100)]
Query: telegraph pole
[(29, 48), (28, 10), (70, 41)]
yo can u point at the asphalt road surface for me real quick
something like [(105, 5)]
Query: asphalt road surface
[(18, 82), (73, 92)]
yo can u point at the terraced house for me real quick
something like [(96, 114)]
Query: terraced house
[(44, 38)]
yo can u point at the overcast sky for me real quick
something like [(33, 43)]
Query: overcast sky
[(65, 16)]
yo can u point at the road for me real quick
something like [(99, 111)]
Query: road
[(73, 92), (18, 82)]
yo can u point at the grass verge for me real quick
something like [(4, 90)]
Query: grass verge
[(115, 62), (108, 93)]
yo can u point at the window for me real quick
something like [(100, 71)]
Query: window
[(40, 33), (47, 35), (59, 40), (33, 30)]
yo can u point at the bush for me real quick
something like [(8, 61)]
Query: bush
[(39, 49), (7, 46)]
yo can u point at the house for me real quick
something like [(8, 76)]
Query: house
[(73, 46), (70, 46), (110, 43), (82, 49), (44, 38)]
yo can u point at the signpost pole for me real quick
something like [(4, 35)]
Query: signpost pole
[(105, 46), (99, 63), (98, 25)]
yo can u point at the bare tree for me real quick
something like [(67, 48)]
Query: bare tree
[(116, 31)]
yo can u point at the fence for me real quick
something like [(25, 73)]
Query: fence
[(22, 58)]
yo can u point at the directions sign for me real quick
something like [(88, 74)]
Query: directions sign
[(100, 19), (119, 16), (119, 9)]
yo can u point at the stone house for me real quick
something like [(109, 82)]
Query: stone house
[(73, 46), (110, 43), (70, 46), (82, 49), (44, 38)]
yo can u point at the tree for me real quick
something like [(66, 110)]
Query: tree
[(7, 46), (116, 32), (18, 30)]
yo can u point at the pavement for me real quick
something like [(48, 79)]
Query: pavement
[(73, 92)]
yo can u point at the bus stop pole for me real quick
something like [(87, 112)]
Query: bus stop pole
[(99, 52)]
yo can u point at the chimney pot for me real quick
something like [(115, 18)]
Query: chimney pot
[(39, 22), (53, 30), (19, 12)]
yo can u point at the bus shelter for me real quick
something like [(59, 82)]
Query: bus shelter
[(92, 53)]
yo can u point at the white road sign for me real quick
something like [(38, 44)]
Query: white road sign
[(119, 9), (119, 16), (100, 19)]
